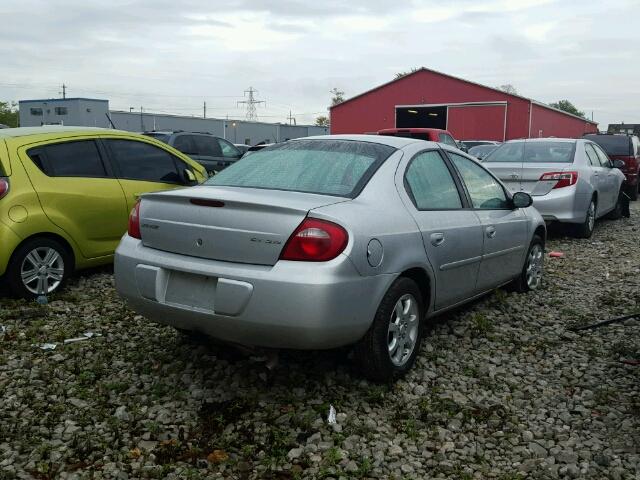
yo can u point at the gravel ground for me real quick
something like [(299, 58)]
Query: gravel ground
[(501, 389)]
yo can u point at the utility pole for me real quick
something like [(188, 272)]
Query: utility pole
[(141, 120), (204, 110), (251, 103), (64, 91), (292, 119)]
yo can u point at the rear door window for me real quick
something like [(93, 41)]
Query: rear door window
[(430, 184), (69, 159), (604, 159), (592, 155), (613, 144), (185, 144), (485, 191), (142, 161), (207, 146)]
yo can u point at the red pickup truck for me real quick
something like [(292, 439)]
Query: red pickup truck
[(430, 134)]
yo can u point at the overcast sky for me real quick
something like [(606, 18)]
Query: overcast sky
[(171, 55)]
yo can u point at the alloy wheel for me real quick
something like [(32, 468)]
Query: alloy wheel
[(591, 215), (42, 270), (403, 329), (535, 261)]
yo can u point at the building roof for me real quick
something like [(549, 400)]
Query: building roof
[(424, 69), (63, 100), (229, 121)]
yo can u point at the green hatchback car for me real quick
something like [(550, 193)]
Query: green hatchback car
[(65, 197)]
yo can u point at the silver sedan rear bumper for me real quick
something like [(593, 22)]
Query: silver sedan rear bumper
[(289, 305), (562, 205)]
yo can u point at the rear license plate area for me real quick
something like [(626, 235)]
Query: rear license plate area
[(191, 290)]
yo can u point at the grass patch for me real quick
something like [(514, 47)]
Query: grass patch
[(481, 324)]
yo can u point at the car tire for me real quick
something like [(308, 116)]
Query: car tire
[(49, 262), (531, 276), (390, 347), (616, 213), (632, 191), (585, 229)]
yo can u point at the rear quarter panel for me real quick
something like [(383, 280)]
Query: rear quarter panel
[(21, 212)]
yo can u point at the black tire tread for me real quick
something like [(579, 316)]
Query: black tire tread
[(14, 281), (520, 284), (616, 213), (371, 351), (581, 230)]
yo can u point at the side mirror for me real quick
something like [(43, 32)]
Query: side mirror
[(189, 177), (619, 164), (521, 200)]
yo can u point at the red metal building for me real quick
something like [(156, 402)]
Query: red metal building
[(470, 111)]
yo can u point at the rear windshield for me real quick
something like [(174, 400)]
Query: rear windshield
[(328, 167), (533, 152), (163, 137), (612, 144)]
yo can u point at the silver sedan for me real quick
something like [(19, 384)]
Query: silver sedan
[(330, 241), (571, 181)]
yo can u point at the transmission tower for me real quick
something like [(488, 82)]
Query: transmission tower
[(251, 103)]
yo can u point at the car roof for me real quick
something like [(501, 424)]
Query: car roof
[(547, 139), (396, 142), (51, 129)]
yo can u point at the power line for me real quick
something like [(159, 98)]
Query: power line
[(251, 103)]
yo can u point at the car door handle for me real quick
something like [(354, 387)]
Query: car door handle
[(437, 238), (491, 232)]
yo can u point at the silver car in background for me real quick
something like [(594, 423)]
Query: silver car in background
[(481, 151), (329, 241), (571, 181)]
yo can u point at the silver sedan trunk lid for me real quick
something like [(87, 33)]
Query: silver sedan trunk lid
[(508, 172), (243, 225)]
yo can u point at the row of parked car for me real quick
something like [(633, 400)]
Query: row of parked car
[(573, 181), (312, 243)]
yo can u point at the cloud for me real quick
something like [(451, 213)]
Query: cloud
[(172, 56)]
